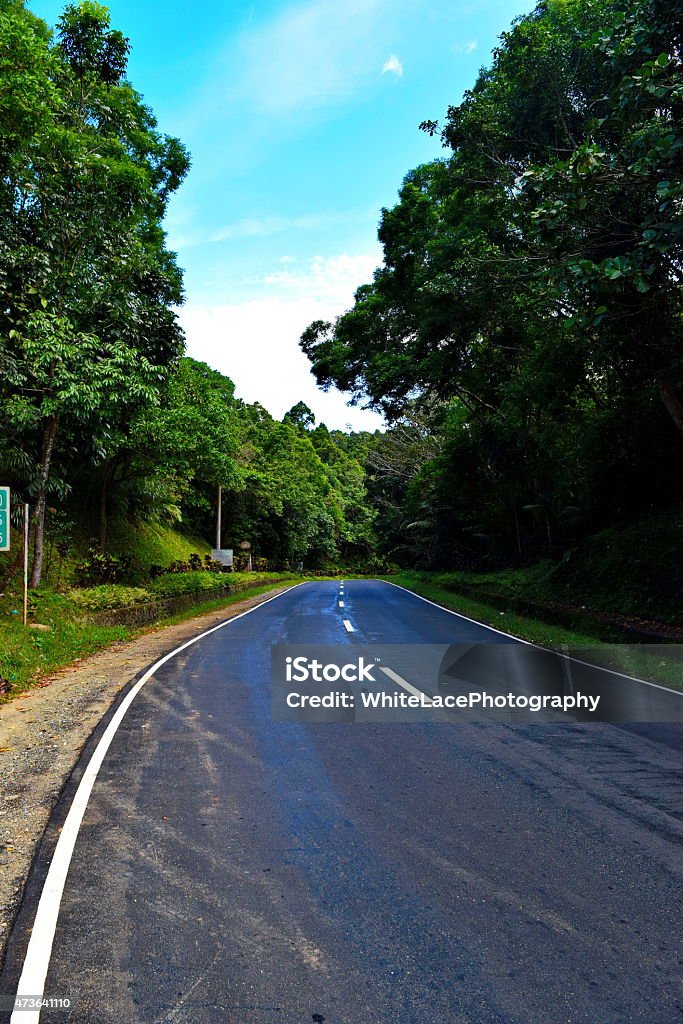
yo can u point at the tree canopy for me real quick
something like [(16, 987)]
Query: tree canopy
[(530, 295)]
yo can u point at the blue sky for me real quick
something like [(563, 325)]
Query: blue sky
[(302, 119)]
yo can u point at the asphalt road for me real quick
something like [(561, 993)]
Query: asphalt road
[(232, 869)]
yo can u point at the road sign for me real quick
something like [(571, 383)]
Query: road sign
[(4, 518), (222, 555)]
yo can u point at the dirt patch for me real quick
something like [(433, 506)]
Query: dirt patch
[(43, 731)]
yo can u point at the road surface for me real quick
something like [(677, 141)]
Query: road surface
[(232, 869)]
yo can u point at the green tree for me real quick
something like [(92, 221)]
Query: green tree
[(83, 264), (300, 416), (531, 283)]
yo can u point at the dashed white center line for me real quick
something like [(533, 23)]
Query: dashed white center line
[(347, 626), (341, 604), (402, 682)]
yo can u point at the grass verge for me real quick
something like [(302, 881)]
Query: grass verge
[(29, 654), (543, 633), (657, 663)]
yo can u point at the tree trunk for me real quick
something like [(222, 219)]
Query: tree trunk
[(672, 402), (104, 494), (519, 539), (49, 431)]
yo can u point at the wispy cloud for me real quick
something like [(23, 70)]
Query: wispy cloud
[(262, 227), (311, 54), (392, 65), (469, 47), (182, 234), (329, 280)]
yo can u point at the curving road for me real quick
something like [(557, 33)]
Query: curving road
[(232, 869)]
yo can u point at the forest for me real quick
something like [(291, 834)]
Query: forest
[(101, 412), (525, 327), (522, 336)]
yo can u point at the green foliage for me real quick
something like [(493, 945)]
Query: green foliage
[(190, 582), (87, 331), (102, 417), (528, 311), (25, 654), (153, 543), (106, 596), (99, 567)]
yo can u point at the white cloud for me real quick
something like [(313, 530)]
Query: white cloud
[(331, 281), (256, 341), (393, 66), (466, 47)]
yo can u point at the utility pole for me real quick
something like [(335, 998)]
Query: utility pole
[(218, 518)]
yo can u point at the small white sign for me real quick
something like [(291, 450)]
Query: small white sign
[(222, 555)]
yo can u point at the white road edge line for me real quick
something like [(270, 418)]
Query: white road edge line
[(402, 682), (347, 626), (511, 636), (39, 951)]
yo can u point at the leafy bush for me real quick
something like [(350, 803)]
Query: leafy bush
[(185, 582), (100, 567), (108, 596), (194, 563)]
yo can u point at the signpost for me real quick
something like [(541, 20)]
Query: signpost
[(25, 564), (5, 538), (222, 555), (4, 519)]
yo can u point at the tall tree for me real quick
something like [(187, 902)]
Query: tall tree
[(87, 284)]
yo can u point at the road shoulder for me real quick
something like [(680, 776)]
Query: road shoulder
[(44, 730)]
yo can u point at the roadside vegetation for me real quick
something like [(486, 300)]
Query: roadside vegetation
[(522, 337), (523, 332), (68, 615), (62, 630)]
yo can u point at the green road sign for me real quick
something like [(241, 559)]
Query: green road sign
[(4, 518)]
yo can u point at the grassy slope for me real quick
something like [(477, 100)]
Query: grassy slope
[(25, 655), (153, 544)]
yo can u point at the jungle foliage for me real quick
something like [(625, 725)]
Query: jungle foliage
[(524, 331), (523, 335), (102, 416)]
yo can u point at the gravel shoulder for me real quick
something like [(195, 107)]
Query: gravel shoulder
[(43, 731)]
